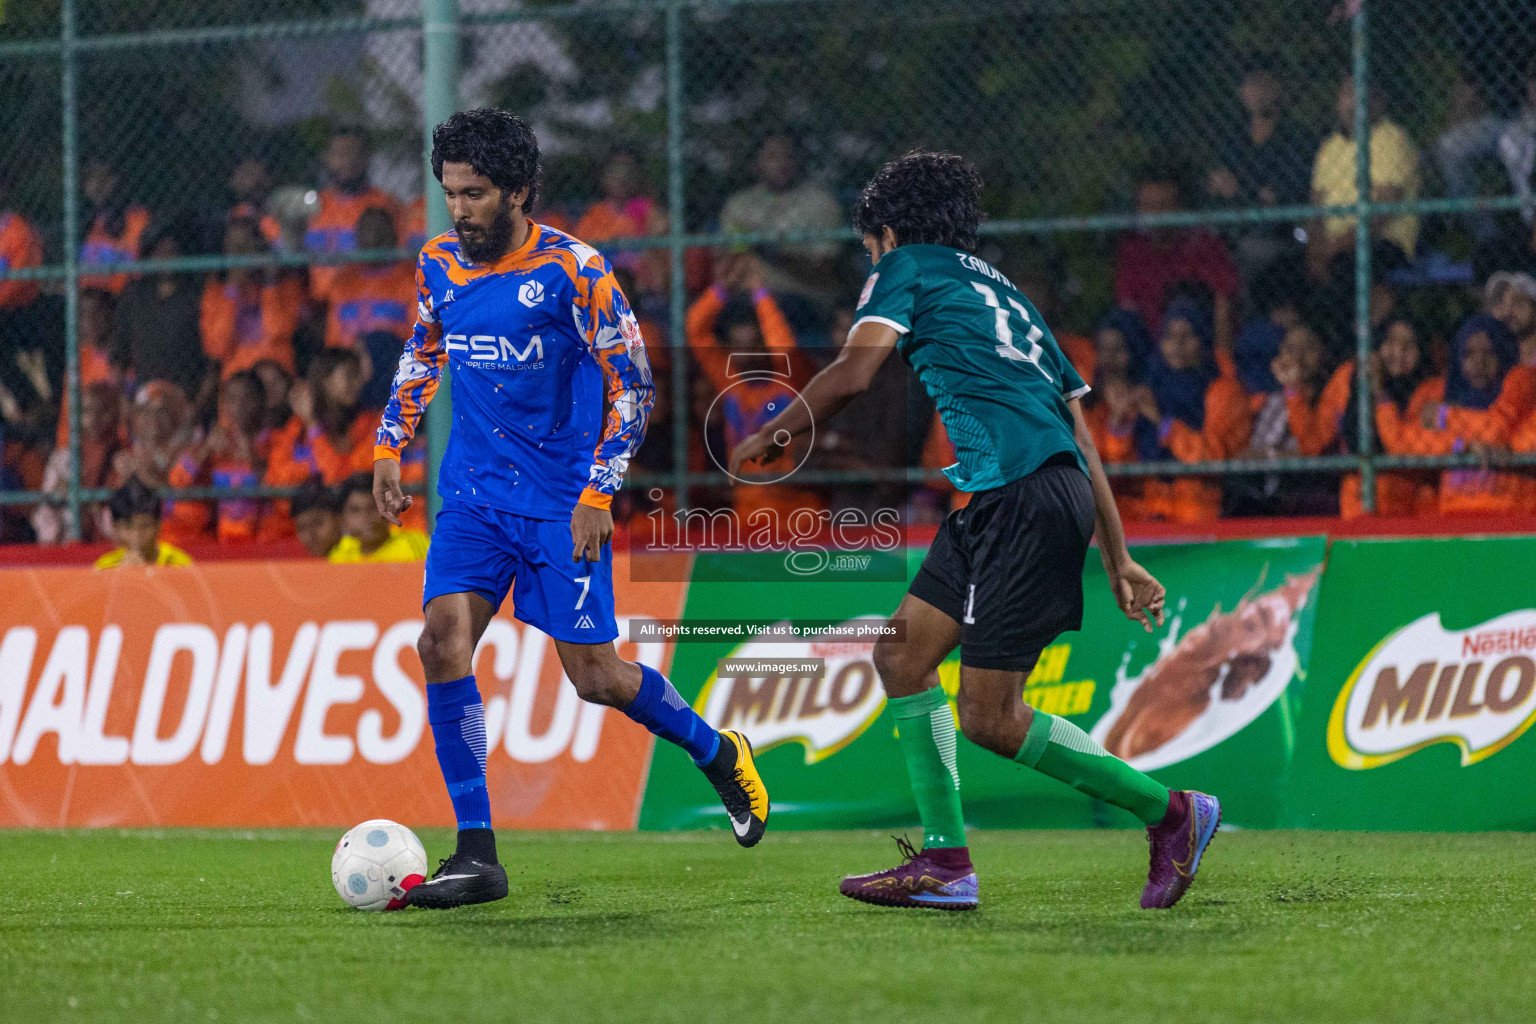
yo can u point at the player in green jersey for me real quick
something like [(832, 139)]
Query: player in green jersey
[(1003, 577)]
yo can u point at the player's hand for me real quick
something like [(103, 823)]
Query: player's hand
[(1138, 594), (387, 495), (758, 448), (591, 528)]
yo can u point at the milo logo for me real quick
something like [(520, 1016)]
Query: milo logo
[(824, 708), (1427, 684)]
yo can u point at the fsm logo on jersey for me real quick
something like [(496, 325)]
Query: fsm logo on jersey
[(1425, 684), (495, 352)]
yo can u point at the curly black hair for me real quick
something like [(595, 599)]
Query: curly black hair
[(925, 198), (495, 143)]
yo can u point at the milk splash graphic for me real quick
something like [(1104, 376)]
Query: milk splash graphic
[(1207, 684)]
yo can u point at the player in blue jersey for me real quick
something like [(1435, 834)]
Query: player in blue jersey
[(539, 338)]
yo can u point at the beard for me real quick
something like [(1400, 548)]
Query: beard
[(490, 244)]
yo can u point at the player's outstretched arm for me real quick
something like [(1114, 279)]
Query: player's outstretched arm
[(1136, 591), (828, 393)]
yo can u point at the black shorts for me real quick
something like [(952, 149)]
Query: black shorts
[(1009, 566)]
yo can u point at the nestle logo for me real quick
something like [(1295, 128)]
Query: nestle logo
[(1500, 641), (1423, 684)]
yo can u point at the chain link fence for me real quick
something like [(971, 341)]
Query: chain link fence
[(669, 129)]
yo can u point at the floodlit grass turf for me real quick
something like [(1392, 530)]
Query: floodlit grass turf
[(1287, 926)]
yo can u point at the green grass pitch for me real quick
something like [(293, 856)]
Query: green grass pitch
[(1282, 926)]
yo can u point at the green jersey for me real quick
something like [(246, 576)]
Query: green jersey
[(985, 356)]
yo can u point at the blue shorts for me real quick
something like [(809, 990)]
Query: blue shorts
[(478, 550)]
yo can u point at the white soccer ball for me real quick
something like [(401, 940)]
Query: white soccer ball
[(375, 863)]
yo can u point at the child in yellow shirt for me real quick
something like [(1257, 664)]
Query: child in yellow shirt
[(135, 509)]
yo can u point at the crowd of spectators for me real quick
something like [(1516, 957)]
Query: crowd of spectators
[(1237, 344)]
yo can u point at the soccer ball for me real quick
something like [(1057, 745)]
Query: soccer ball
[(375, 863)]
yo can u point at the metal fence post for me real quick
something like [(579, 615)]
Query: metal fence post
[(71, 160), (439, 100), (1363, 207), (675, 213)]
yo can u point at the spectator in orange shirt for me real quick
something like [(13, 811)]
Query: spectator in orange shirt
[(95, 330), (1189, 412), (373, 307), (1466, 420), (276, 382), (751, 390), (159, 427), (100, 441), (116, 227), (20, 249), (1324, 419), (249, 314), (372, 296), (627, 210), (249, 185), (1111, 409), (329, 436), (1401, 375), (342, 201), (234, 454), (1300, 417)]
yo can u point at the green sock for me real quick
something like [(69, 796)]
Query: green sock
[(927, 731), (1056, 747)]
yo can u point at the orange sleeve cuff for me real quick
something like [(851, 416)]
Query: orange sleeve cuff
[(384, 451), (596, 499)]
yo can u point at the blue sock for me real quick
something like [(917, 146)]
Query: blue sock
[(458, 727), (660, 708)]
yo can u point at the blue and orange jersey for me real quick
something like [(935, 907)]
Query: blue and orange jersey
[(101, 248), (536, 341), (365, 298), (334, 229), (20, 249)]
